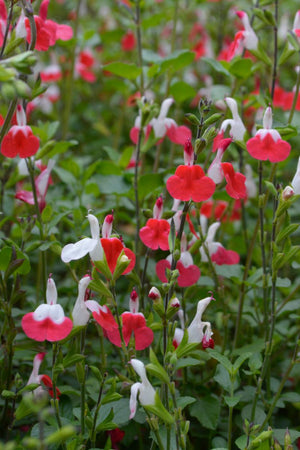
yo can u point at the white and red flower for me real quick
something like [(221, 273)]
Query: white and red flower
[(48, 321)]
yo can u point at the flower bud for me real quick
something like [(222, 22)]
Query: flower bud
[(287, 193)]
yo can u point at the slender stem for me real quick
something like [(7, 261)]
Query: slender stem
[(274, 74), (139, 43), (98, 406), (136, 195), (296, 93), (68, 96), (82, 402), (8, 23), (54, 377), (147, 256), (281, 386), (30, 168), (288, 298), (247, 268)]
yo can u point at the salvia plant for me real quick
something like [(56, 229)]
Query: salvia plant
[(149, 243)]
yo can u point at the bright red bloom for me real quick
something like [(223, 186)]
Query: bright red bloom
[(235, 187), (188, 275), (136, 324), (223, 256), (190, 183), (155, 234), (128, 41), (112, 248), (267, 143), (48, 31), (102, 315), (116, 435), (216, 210), (47, 382), (266, 148)]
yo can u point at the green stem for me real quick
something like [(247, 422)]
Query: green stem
[(82, 402), (30, 168), (281, 386), (54, 378), (143, 279), (68, 96), (139, 43), (296, 93), (136, 196), (98, 406), (274, 74), (8, 24)]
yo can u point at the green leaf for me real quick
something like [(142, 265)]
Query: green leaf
[(285, 232), (5, 257), (239, 361), (187, 362), (7, 394), (271, 187), (207, 411), (255, 362), (111, 397), (177, 60), (99, 286), (241, 67), (47, 213), (182, 91), (158, 371), (216, 65), (182, 402), (221, 359), (129, 71), (61, 435), (149, 183), (279, 435), (232, 401), (71, 360)]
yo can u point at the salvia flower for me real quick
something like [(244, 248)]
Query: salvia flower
[(71, 252), (133, 322), (144, 390), (237, 128), (20, 141), (80, 312), (190, 183), (296, 180), (44, 380), (267, 143), (155, 234), (195, 330), (41, 186), (48, 321), (215, 171), (48, 31), (102, 315), (163, 125), (236, 186), (217, 252), (189, 273)]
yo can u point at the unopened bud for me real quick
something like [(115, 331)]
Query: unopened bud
[(287, 438), (154, 294), (287, 192)]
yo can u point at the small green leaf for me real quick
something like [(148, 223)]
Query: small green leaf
[(71, 360), (285, 232), (207, 411), (221, 359), (5, 257), (241, 67), (239, 361), (177, 61), (182, 91), (216, 65), (129, 71), (231, 401)]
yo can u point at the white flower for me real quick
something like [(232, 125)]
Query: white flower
[(237, 128), (93, 246), (195, 330), (80, 312), (161, 124), (144, 389), (296, 180)]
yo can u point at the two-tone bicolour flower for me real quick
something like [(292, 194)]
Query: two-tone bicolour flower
[(237, 128), (48, 321), (80, 313), (267, 143), (189, 181), (133, 322), (20, 141), (44, 380)]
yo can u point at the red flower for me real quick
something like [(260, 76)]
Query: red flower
[(102, 315), (190, 183), (267, 143), (47, 31), (216, 210), (20, 140), (47, 382), (235, 187), (136, 324), (188, 275), (112, 248), (223, 256), (155, 234), (128, 42)]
